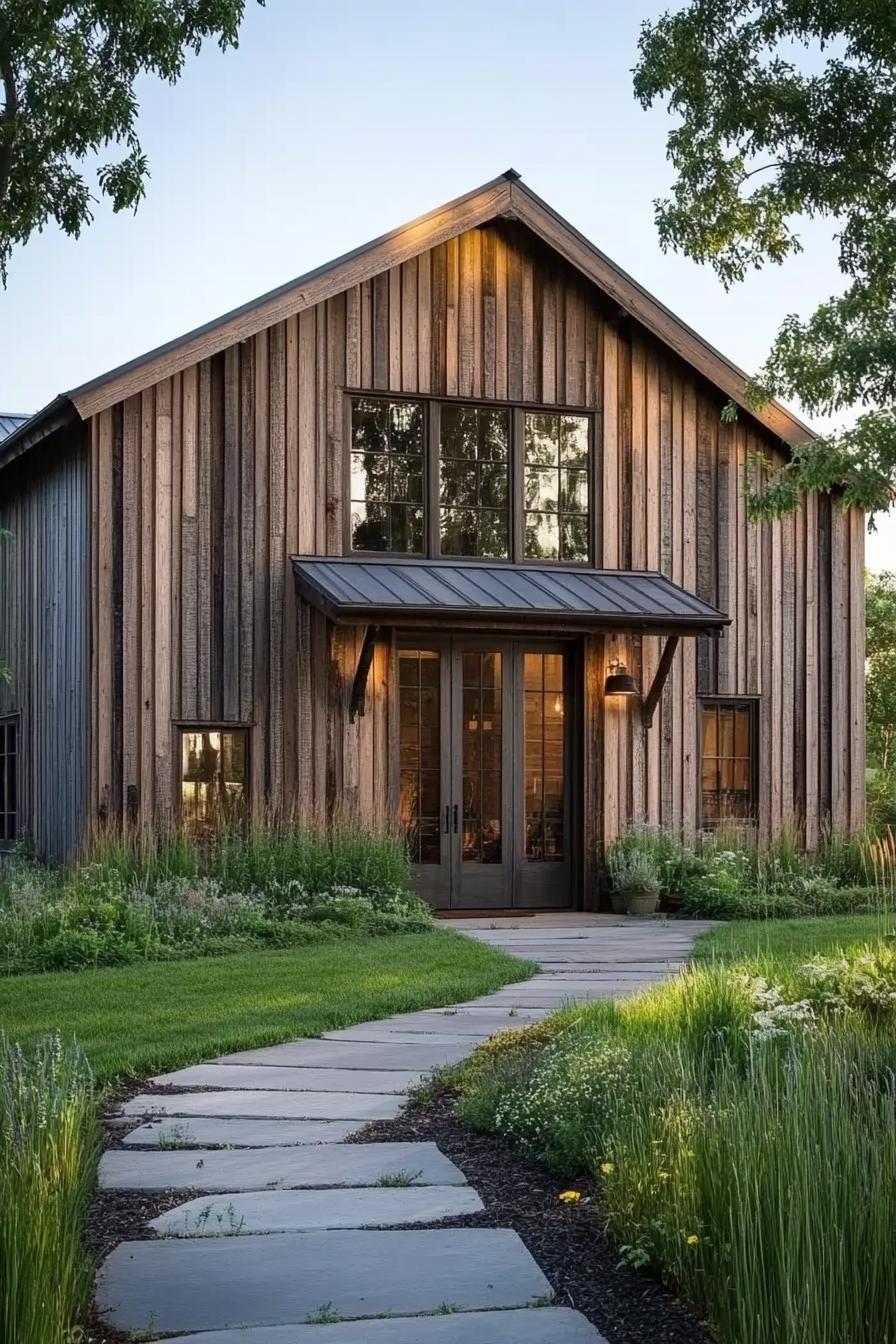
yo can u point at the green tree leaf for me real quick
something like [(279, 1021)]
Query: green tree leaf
[(67, 75), (787, 110)]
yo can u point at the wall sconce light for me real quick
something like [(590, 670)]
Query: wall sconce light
[(619, 680)]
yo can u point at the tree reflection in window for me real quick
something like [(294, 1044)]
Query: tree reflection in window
[(556, 487), (213, 780), (474, 482), (387, 476)]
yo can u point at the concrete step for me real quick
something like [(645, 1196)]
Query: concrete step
[(315, 1210), (272, 1105), (166, 1286), (331, 1164), (547, 1325)]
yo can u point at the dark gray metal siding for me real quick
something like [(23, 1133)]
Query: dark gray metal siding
[(44, 637), (356, 587)]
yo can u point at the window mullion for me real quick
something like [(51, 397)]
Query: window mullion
[(517, 487)]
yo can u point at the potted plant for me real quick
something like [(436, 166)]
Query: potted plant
[(636, 881)]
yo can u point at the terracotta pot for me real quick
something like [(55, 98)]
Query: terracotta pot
[(641, 901), (619, 902)]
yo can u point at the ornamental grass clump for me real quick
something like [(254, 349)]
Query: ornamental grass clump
[(49, 1147), (740, 1124)]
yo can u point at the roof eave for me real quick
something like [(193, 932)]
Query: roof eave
[(55, 415)]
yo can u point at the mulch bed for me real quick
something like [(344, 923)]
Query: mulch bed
[(567, 1240)]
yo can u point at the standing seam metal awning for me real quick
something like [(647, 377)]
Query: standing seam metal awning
[(463, 592)]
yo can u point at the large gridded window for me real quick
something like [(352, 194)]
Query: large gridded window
[(728, 736), (9, 782), (556, 487), (387, 476), (474, 482), (432, 478), (213, 779)]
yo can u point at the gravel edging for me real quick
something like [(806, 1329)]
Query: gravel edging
[(567, 1240)]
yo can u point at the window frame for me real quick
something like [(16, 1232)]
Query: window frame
[(751, 704), (14, 720), (182, 726), (517, 411)]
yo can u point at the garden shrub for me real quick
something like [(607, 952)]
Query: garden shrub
[(138, 899), (49, 1147), (739, 1126), (727, 876)]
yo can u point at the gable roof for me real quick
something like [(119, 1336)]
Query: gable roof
[(505, 197), (10, 421)]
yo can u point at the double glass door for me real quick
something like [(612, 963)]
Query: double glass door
[(485, 770)]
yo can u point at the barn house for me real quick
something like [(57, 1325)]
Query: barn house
[(448, 533)]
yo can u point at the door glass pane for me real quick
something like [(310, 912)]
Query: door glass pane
[(544, 757), (420, 752), (474, 476), (481, 770)]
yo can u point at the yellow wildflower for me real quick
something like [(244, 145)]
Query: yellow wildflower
[(693, 1239), (607, 1168), (570, 1196), (663, 1175)]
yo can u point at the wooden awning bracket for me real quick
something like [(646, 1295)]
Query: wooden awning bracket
[(358, 703), (652, 698)]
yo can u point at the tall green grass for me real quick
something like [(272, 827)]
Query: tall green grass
[(137, 895), (49, 1146), (342, 853), (756, 1176)]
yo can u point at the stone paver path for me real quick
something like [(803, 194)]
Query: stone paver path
[(301, 1238)]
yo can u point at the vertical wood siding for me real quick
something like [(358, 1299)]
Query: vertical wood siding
[(205, 483), (44, 637)]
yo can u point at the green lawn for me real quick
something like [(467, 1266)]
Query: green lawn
[(786, 939), (159, 1015)]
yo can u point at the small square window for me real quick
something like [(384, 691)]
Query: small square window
[(728, 761), (213, 787), (9, 782)]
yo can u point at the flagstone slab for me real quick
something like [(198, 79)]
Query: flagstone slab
[(276, 1168), (271, 1105), (206, 1132), (481, 1022), (220, 1283), (272, 1077), (547, 1325), (329, 1055), (316, 1210), (379, 1034)]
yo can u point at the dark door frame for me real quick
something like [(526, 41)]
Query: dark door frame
[(437, 883)]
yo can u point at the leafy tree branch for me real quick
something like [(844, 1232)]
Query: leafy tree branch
[(786, 110), (69, 69)]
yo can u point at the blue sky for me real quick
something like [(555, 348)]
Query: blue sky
[(332, 124)]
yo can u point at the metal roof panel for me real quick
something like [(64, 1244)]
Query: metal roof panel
[(393, 589)]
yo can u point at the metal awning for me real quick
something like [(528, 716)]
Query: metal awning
[(467, 593)]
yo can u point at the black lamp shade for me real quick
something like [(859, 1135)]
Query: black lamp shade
[(620, 682)]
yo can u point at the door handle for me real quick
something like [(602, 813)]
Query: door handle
[(455, 818), (447, 818)]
